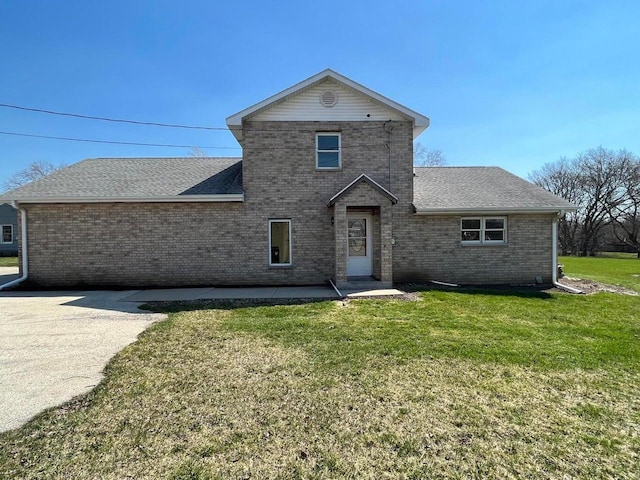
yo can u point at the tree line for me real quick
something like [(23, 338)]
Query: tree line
[(605, 186)]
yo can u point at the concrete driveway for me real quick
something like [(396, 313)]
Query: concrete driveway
[(55, 345), (8, 274)]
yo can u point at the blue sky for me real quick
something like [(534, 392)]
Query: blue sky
[(506, 83)]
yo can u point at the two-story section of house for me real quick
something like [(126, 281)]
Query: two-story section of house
[(328, 162), (325, 189)]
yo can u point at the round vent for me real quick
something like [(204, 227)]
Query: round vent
[(328, 98)]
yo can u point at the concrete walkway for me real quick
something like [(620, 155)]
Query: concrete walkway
[(185, 294), (314, 291)]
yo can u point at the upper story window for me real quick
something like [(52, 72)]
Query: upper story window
[(484, 230), (328, 151), (7, 233)]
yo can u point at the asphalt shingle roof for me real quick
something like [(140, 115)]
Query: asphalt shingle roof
[(137, 178), (474, 188)]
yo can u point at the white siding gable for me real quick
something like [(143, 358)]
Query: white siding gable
[(305, 106)]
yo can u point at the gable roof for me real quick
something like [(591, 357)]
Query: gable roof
[(137, 180), (234, 122), (450, 190), (363, 179)]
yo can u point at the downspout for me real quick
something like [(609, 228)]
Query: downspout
[(25, 256), (554, 259)]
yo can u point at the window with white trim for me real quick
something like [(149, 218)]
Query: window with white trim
[(279, 243), (7, 233), (483, 230), (328, 155)]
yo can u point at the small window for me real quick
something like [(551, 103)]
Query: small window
[(484, 230), (328, 151), (7, 233), (279, 242)]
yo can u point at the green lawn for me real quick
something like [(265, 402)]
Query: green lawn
[(8, 261), (466, 384), (621, 269)]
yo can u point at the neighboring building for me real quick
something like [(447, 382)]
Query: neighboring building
[(8, 230), (325, 189)]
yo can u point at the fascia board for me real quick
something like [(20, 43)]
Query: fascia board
[(160, 199), (492, 211)]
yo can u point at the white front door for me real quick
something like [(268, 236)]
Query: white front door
[(359, 253)]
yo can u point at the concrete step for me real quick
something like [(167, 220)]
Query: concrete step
[(363, 283)]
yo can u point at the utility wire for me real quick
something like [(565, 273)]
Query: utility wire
[(106, 119), (113, 142), (157, 124)]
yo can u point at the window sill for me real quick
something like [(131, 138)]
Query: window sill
[(332, 169), (281, 267)]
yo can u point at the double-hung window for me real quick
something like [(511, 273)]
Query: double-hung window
[(7, 233), (279, 243), (484, 230), (328, 151)]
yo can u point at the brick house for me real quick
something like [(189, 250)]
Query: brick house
[(325, 189)]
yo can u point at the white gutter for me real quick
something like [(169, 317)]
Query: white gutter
[(235, 197), (485, 211), (554, 260), (25, 256)]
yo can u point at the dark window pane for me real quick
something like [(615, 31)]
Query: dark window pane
[(496, 235), (280, 250), (471, 224), (472, 236), (494, 223), (328, 160), (7, 234), (328, 142)]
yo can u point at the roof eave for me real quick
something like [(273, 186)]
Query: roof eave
[(366, 178), (493, 210), (230, 197)]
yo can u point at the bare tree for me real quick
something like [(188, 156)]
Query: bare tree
[(197, 152), (600, 173), (425, 157), (601, 183), (561, 179), (34, 171), (626, 213)]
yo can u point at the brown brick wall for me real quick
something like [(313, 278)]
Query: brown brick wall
[(429, 248)]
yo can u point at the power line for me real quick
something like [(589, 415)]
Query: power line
[(71, 139), (106, 119), (167, 125), (113, 142)]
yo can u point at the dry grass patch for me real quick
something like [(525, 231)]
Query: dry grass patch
[(374, 390)]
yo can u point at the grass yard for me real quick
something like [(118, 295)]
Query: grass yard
[(8, 261), (621, 269), (471, 384)]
